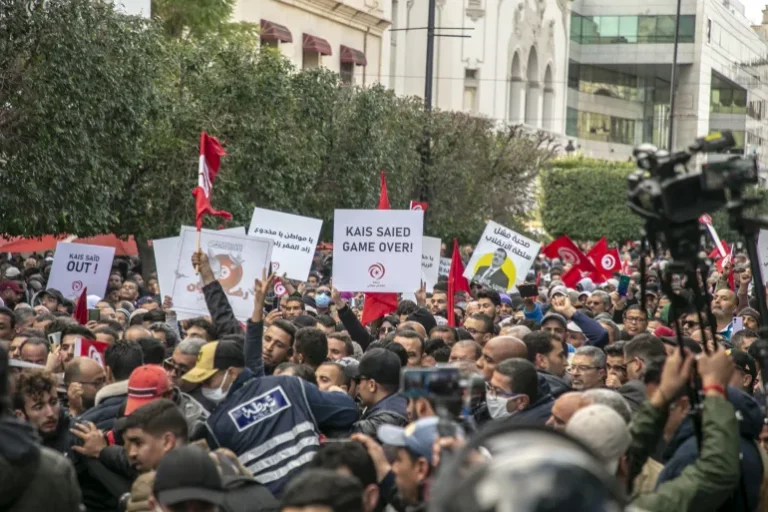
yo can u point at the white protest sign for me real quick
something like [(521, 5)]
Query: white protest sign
[(295, 239), (236, 260), (166, 249), (762, 253), (502, 258), (445, 266), (430, 261), (377, 250), (78, 266)]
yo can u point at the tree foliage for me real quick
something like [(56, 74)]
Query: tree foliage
[(587, 199), (103, 112)]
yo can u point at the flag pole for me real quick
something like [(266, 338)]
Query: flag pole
[(197, 268)]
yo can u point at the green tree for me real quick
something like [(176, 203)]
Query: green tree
[(193, 18), (77, 90)]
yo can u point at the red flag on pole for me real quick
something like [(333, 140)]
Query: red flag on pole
[(456, 281), (81, 308), (566, 250), (606, 261), (379, 304), (210, 160), (419, 205)]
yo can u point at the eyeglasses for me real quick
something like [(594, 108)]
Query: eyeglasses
[(635, 319), (472, 331), (583, 368), (386, 330), (95, 383), (171, 366), (360, 378), (616, 368), (493, 392)]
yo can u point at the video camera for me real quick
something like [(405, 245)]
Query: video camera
[(664, 189)]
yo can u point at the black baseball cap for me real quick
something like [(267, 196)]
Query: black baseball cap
[(744, 362), (56, 294), (380, 365), (185, 474)]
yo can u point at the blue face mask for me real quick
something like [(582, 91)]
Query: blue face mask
[(322, 300)]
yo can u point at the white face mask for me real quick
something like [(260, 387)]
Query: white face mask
[(218, 394), (497, 407)]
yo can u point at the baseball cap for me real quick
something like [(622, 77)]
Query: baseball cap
[(750, 312), (53, 292), (215, 356), (571, 326), (614, 438), (555, 316), (381, 365), (418, 437), (10, 285), (743, 361), (188, 473), (146, 384), (12, 272), (350, 365), (558, 290), (424, 317)]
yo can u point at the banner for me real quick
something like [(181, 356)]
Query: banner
[(91, 349), (166, 249), (445, 267), (77, 266), (502, 258), (762, 252), (430, 261), (236, 260), (295, 239), (377, 250)]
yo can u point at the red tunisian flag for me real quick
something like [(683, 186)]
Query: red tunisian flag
[(419, 205), (379, 304), (606, 261), (566, 250), (81, 308), (91, 348), (456, 281), (210, 160)]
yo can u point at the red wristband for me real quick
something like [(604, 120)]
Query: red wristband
[(715, 387)]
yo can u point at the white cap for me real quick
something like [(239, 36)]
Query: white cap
[(92, 300), (12, 272), (613, 440), (573, 327)]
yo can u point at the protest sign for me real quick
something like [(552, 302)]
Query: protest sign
[(762, 253), (78, 266), (166, 249), (295, 238), (236, 260), (502, 258), (430, 261), (445, 266), (91, 349), (377, 250)]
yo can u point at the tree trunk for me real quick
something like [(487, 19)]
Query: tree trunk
[(147, 257)]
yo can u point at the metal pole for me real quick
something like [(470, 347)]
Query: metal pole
[(426, 155), (673, 81)]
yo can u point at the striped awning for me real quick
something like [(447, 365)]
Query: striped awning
[(271, 31), (316, 44), (350, 55)]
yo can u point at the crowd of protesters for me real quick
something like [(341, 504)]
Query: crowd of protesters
[(301, 407)]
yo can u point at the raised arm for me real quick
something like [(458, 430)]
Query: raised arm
[(223, 317)]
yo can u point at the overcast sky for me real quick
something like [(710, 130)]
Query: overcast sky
[(754, 9)]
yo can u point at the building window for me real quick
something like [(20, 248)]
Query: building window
[(347, 72), (630, 29), (310, 60), (726, 98), (604, 82), (600, 127), (709, 30), (470, 90)]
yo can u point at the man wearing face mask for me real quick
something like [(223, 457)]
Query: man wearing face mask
[(323, 299), (514, 393), (270, 423)]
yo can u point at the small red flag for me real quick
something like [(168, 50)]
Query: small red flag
[(605, 260), (210, 160), (456, 281), (419, 205), (565, 249), (377, 305), (91, 349), (81, 308)]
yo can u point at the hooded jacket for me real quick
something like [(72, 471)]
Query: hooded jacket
[(392, 410), (110, 400), (557, 386), (682, 451), (31, 477), (539, 411)]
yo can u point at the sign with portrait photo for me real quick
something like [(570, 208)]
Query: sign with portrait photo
[(502, 258)]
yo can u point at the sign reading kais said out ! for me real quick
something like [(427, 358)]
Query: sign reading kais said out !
[(377, 250)]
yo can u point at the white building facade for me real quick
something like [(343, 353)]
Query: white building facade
[(511, 67), (621, 56), (347, 37)]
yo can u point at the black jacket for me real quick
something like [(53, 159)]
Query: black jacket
[(634, 393), (682, 451), (61, 440), (110, 400), (224, 321), (557, 386), (539, 411), (356, 330), (31, 477), (389, 411)]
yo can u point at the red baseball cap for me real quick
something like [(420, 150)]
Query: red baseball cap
[(11, 285), (146, 384)]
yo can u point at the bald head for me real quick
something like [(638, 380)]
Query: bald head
[(564, 407), (516, 331), (497, 350), (413, 326)]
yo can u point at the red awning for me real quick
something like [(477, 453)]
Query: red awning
[(350, 55), (122, 247), (274, 32), (44, 243), (316, 44)]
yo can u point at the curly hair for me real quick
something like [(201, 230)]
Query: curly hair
[(33, 384)]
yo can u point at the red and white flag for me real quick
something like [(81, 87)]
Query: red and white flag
[(280, 289), (606, 261), (721, 247), (419, 205), (91, 349), (210, 160), (565, 249)]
